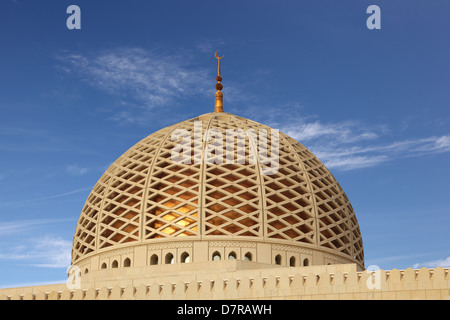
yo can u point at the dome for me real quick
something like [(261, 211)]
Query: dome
[(150, 208)]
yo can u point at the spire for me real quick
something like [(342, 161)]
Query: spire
[(219, 95)]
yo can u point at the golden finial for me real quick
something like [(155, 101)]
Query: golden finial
[(219, 95)]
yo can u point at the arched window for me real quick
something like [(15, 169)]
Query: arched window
[(103, 265), (115, 264), (216, 256), (278, 259), (185, 258), (305, 262), (169, 258), (127, 263), (154, 259), (232, 255), (292, 262), (248, 256), (86, 270)]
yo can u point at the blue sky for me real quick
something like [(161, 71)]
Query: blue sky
[(371, 104)]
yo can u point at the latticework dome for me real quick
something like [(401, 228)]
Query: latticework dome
[(169, 211)]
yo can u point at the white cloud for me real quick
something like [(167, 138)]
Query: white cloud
[(350, 163), (346, 145), (344, 132), (24, 226), (443, 143), (52, 252), (348, 155), (139, 78), (76, 170), (444, 263), (46, 252), (350, 145), (46, 198)]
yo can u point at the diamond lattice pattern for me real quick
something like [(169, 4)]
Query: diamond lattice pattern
[(220, 189)]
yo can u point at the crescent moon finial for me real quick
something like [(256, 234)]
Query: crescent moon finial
[(218, 66), (217, 57)]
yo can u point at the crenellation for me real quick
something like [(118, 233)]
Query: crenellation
[(16, 296), (205, 289), (103, 293), (438, 278), (141, 292), (258, 286), (423, 279), (409, 279), (167, 290), (53, 295), (231, 289), (192, 290), (31, 296), (116, 293), (395, 278), (129, 292), (180, 288), (310, 284), (41, 296), (271, 286), (338, 284), (78, 294), (245, 288), (91, 294), (324, 283), (155, 291), (383, 282)]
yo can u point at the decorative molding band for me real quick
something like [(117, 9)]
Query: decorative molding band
[(338, 259), (239, 244), (83, 263), (283, 247), (118, 252), (169, 245)]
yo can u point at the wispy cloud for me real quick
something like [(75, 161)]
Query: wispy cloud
[(46, 252), (209, 45), (24, 226), (139, 79), (352, 162), (350, 145), (444, 263), (76, 170), (345, 132), (353, 156), (46, 198)]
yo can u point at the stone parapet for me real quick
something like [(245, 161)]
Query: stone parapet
[(237, 281)]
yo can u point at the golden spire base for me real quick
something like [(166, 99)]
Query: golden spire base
[(219, 102)]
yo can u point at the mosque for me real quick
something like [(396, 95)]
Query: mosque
[(220, 207)]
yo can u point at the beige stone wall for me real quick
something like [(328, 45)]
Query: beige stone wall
[(237, 280), (104, 265)]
